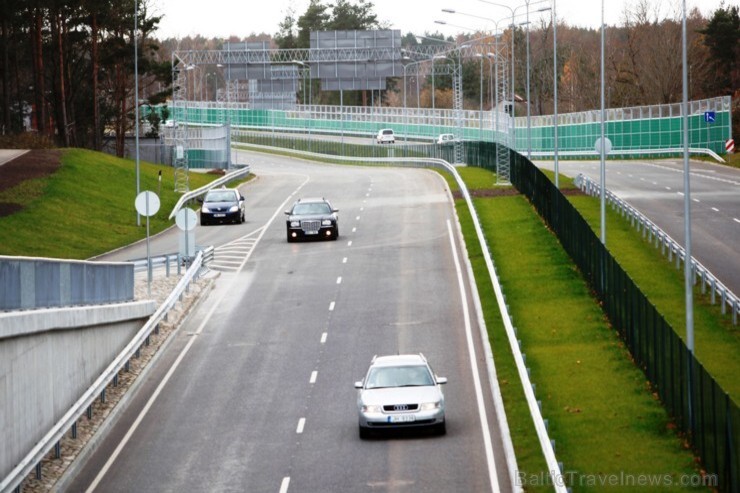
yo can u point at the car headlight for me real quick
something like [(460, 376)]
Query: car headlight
[(295, 224), (429, 406), (371, 409), (234, 208), (326, 222), (205, 209)]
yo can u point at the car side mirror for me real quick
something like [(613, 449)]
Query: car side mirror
[(200, 199), (241, 197), (441, 380), (287, 213), (358, 385), (335, 210)]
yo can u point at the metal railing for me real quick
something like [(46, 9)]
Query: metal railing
[(69, 419), (30, 283), (170, 260), (668, 246)]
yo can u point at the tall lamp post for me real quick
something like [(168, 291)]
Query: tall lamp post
[(513, 14), (136, 101), (688, 284)]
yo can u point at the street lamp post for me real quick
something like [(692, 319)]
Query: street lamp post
[(136, 101), (513, 93)]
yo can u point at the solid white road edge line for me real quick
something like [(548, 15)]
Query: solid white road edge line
[(490, 460), (284, 485)]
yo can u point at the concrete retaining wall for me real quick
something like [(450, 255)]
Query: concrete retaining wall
[(48, 359)]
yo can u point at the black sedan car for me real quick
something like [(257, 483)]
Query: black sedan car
[(222, 205), (312, 218)]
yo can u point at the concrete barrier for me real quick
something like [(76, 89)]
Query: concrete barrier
[(48, 358)]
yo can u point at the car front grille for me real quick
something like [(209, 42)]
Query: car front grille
[(400, 408), (310, 225)]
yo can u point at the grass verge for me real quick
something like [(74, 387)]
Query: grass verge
[(87, 207), (717, 340), (606, 423)]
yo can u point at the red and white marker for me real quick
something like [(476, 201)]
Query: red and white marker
[(730, 146)]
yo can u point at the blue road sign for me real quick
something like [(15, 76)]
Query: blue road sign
[(709, 116)]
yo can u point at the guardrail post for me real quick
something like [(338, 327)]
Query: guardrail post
[(38, 471), (167, 266), (74, 430), (102, 395), (57, 450), (89, 412)]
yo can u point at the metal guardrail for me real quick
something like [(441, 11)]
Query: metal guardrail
[(37, 453), (215, 183), (28, 283), (167, 261), (592, 154), (669, 246)]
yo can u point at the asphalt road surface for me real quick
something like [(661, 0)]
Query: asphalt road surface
[(655, 188), (256, 392)]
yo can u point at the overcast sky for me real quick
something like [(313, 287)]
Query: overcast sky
[(222, 18)]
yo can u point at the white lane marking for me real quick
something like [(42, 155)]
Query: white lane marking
[(715, 209), (339, 280), (301, 424), (284, 485), (736, 220), (357, 218), (314, 374), (490, 460), (323, 338), (367, 195), (667, 188), (344, 260), (349, 243), (354, 230), (696, 200), (180, 357), (362, 209), (331, 306)]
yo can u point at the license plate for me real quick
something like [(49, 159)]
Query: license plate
[(312, 232), (403, 418), (219, 215)]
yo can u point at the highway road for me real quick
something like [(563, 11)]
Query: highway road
[(256, 391), (655, 188)]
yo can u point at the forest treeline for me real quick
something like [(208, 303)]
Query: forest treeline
[(67, 68)]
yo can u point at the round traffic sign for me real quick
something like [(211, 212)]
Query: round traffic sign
[(186, 219), (147, 203), (607, 147)]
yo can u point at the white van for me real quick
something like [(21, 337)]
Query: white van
[(385, 136), (445, 139)]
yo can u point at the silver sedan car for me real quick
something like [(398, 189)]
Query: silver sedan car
[(400, 391)]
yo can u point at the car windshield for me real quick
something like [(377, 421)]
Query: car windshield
[(312, 208), (398, 376), (225, 196)]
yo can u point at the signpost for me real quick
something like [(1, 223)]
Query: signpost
[(147, 204), (186, 220)]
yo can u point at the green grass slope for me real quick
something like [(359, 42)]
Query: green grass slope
[(87, 207)]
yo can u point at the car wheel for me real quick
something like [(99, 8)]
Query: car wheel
[(335, 234), (365, 433)]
